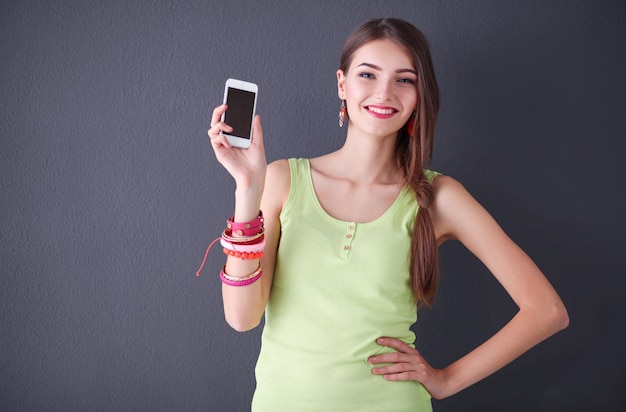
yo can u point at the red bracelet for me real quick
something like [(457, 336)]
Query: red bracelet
[(251, 233), (244, 255)]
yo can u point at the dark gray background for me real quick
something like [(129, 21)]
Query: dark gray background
[(110, 191)]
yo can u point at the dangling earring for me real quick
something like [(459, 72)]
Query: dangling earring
[(342, 113), (411, 123)]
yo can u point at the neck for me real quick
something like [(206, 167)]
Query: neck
[(369, 159)]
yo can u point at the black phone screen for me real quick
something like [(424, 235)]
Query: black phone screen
[(239, 113)]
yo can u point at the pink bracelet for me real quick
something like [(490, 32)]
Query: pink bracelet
[(242, 248), (227, 234), (233, 281), (250, 228), (252, 237)]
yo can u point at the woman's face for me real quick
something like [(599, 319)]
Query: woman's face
[(379, 88)]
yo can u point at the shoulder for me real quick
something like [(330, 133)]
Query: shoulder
[(278, 168), (445, 186), (447, 191), (454, 210), (277, 184)]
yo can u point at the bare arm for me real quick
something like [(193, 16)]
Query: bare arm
[(244, 306), (457, 215), (259, 187)]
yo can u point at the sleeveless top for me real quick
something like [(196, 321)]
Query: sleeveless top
[(337, 287)]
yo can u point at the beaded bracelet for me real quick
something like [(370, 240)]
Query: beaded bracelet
[(250, 242), (244, 255)]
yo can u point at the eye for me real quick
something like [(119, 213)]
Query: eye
[(367, 75), (406, 81)]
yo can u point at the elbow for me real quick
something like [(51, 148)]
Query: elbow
[(242, 325), (550, 317), (562, 318), (558, 317)]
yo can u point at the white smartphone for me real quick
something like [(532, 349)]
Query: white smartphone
[(240, 96)]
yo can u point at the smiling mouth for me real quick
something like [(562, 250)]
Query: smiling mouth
[(380, 110)]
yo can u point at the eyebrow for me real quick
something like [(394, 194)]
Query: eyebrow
[(375, 67)]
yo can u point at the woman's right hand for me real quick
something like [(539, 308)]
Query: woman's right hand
[(246, 166)]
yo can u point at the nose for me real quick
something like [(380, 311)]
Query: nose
[(384, 90)]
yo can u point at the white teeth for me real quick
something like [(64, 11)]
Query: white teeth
[(381, 111)]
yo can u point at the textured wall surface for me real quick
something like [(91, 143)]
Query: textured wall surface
[(110, 192)]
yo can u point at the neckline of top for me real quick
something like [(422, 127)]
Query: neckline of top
[(318, 204)]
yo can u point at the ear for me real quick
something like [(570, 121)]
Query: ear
[(341, 81)]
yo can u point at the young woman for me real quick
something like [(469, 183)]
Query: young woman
[(345, 250)]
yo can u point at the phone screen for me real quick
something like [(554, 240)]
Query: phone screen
[(239, 113)]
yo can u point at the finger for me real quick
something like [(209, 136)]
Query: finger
[(217, 126), (219, 140), (404, 371), (395, 368), (403, 376), (216, 136), (393, 357), (396, 344), (257, 131), (217, 114)]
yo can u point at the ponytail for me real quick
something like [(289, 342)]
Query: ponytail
[(424, 267)]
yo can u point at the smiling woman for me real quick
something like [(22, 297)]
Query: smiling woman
[(379, 85), (344, 251)]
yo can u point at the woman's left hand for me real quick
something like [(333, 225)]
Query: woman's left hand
[(408, 365)]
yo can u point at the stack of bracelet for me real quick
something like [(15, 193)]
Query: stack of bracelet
[(245, 241), (242, 240)]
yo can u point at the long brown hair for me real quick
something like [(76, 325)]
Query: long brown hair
[(412, 151)]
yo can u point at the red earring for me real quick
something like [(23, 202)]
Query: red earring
[(342, 113), (410, 125)]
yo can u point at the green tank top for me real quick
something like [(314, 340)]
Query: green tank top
[(337, 287)]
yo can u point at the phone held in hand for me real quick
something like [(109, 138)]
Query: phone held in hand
[(240, 96)]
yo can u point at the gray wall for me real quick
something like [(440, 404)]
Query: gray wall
[(110, 192)]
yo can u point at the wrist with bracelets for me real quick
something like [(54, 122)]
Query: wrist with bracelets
[(243, 240)]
